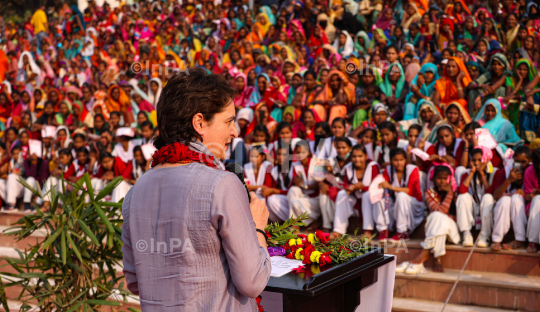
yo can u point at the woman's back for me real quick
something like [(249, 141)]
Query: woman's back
[(188, 250)]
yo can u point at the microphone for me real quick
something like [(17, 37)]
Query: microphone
[(239, 172)]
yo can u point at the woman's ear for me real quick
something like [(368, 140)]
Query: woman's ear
[(199, 124)]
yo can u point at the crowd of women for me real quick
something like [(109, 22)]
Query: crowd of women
[(436, 101)]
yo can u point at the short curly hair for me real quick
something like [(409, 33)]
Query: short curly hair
[(185, 95)]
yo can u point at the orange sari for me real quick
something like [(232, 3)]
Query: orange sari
[(338, 110), (446, 88), (122, 105)]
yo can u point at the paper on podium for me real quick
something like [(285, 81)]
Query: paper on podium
[(485, 138), (148, 150), (420, 153), (34, 147), (376, 193), (282, 265)]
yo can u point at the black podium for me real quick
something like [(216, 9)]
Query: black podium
[(335, 289)]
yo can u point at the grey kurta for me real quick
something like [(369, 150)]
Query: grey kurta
[(190, 242)]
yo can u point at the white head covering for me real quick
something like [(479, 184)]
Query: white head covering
[(153, 98), (33, 65), (349, 44)]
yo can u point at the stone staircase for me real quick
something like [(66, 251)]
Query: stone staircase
[(491, 282)]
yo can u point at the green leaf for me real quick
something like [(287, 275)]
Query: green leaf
[(110, 204), (32, 275), (26, 185), (74, 247), (63, 246), (103, 302), (51, 238), (89, 187), (134, 310), (75, 307), (109, 188), (87, 231), (104, 218)]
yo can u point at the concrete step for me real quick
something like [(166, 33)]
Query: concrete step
[(8, 218), (482, 260), (493, 290), (415, 305), (15, 305), (9, 240)]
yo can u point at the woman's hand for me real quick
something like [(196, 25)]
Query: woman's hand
[(482, 169), (515, 175), (298, 181), (520, 192), (323, 188), (421, 144), (478, 103), (258, 211), (385, 185), (267, 191), (434, 157)]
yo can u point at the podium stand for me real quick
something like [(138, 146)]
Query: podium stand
[(336, 289)]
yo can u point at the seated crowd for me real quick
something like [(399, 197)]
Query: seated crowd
[(437, 104)]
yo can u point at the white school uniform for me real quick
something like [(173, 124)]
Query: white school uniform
[(439, 227), (406, 212), (468, 209), (328, 150), (424, 177), (14, 189), (303, 200), (533, 225), (380, 149), (328, 206), (251, 179), (278, 204), (345, 202), (509, 209), (123, 188)]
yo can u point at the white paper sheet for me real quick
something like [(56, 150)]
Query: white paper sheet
[(48, 131), (282, 265), (376, 193), (148, 150), (420, 153), (34, 147)]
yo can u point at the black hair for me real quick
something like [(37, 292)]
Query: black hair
[(472, 126), (442, 194), (79, 135), (450, 148), (103, 155), (392, 128), (449, 51), (373, 132), (147, 123), (310, 72), (393, 153), (82, 149), (304, 144), (324, 125), (100, 116), (262, 128), (523, 150), (416, 127), (259, 150), (344, 140), (282, 125), (475, 177), (342, 120), (184, 96), (115, 113), (286, 180), (65, 151)]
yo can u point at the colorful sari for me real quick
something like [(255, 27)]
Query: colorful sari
[(426, 90), (501, 129), (338, 109), (464, 119), (446, 88)]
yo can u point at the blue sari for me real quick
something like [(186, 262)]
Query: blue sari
[(427, 90), (502, 130)]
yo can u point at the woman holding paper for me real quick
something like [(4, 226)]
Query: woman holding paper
[(404, 197), (503, 131), (134, 170), (357, 176)]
